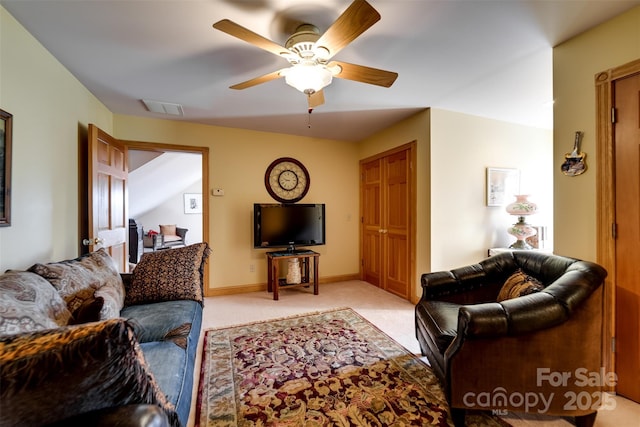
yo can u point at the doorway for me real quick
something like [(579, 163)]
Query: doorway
[(103, 218), (198, 183), (618, 108), (165, 188)]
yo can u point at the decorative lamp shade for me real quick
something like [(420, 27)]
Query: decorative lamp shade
[(308, 78), (522, 206), (521, 230)]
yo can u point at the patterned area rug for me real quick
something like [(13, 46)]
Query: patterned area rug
[(331, 368)]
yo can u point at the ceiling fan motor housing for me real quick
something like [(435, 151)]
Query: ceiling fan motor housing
[(303, 44)]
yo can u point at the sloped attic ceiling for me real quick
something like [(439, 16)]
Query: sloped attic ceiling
[(156, 181)]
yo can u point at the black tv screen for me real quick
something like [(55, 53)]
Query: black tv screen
[(288, 225)]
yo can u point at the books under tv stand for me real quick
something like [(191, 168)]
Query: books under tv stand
[(275, 282)]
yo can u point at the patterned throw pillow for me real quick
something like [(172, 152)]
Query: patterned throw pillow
[(81, 279), (78, 369), (168, 275), (29, 303), (519, 284)]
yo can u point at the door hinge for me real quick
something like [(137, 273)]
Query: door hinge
[(614, 231), (613, 115), (613, 344)]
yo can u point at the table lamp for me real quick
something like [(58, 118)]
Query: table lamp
[(521, 208)]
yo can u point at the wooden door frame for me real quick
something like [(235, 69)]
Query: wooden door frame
[(605, 197), (412, 147), (204, 152)]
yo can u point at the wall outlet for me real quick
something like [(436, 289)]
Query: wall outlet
[(252, 268)]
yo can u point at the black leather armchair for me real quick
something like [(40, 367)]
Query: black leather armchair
[(507, 355)]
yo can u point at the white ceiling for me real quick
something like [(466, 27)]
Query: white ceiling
[(490, 58)]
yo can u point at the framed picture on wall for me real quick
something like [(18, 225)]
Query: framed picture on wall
[(193, 203), (6, 122), (502, 185)]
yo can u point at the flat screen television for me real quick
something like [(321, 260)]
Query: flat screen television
[(288, 225)]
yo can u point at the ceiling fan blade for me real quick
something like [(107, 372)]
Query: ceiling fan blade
[(316, 99), (354, 21), (363, 74), (257, 80), (249, 36)]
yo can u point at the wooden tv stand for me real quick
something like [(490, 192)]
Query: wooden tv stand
[(274, 282)]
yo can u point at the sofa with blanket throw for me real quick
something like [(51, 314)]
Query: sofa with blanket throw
[(500, 333), (81, 344)]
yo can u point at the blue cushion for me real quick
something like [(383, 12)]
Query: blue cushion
[(172, 368), (170, 356), (169, 320)]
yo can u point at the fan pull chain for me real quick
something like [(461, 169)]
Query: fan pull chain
[(309, 118)]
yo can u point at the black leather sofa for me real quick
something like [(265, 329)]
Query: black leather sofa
[(487, 354)]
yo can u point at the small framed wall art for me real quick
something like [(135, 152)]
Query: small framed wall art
[(193, 203), (6, 127), (502, 185)]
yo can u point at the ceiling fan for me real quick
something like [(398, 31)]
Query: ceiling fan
[(309, 53)]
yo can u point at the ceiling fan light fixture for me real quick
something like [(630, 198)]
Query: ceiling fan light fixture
[(308, 78)]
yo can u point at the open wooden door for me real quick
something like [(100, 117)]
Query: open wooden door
[(106, 205)]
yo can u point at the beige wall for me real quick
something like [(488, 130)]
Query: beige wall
[(575, 64), (238, 161), (51, 110), (463, 228)]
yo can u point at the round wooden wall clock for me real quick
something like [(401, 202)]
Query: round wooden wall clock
[(287, 180)]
